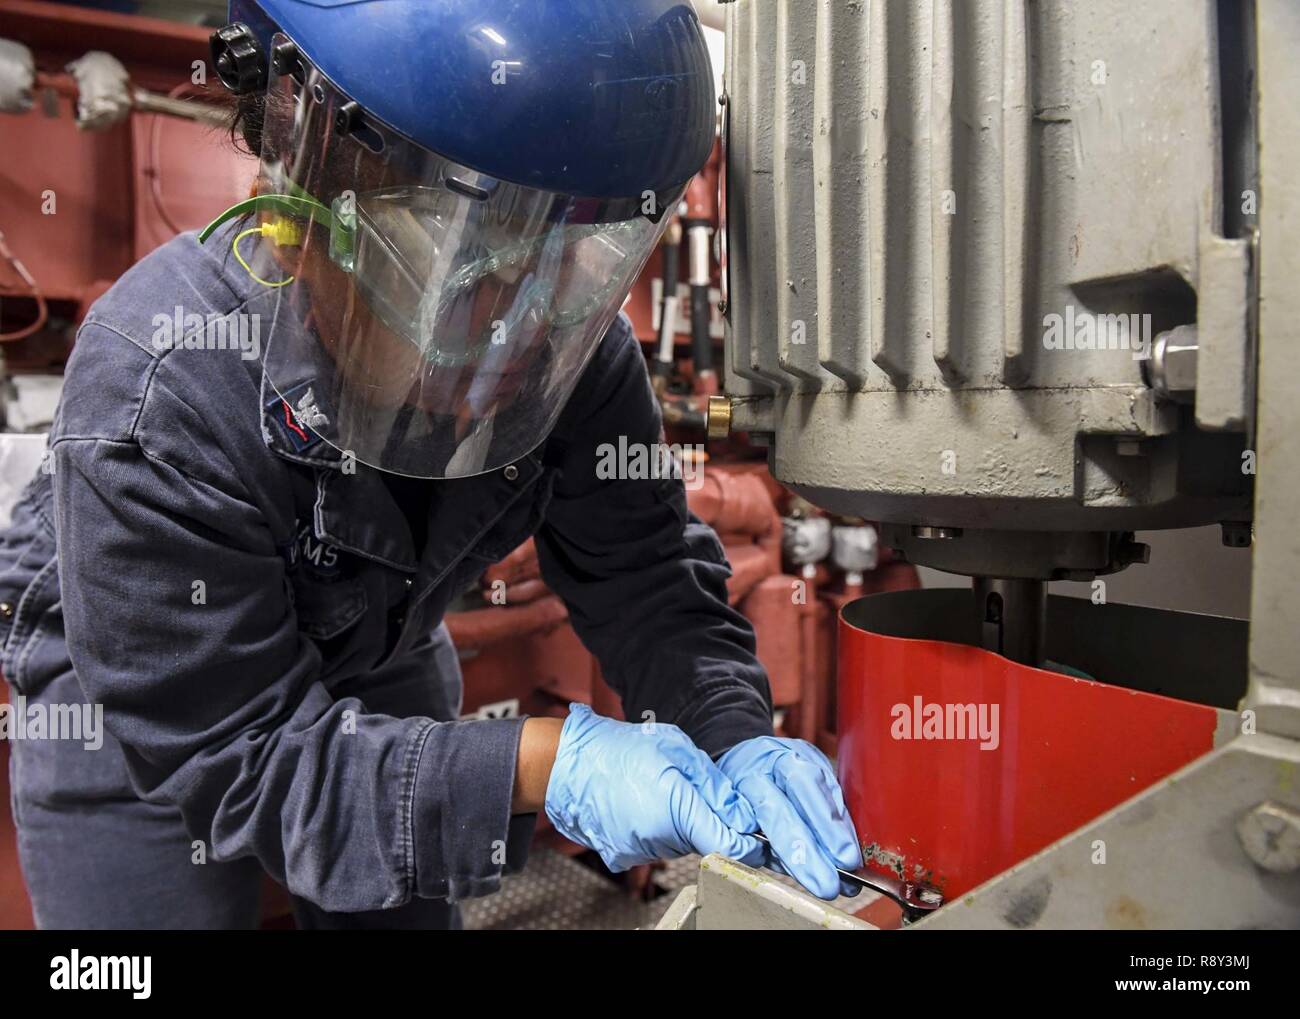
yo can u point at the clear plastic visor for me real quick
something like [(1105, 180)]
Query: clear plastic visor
[(428, 320)]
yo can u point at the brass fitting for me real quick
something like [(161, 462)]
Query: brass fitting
[(719, 417)]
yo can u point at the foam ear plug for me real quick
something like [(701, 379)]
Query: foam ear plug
[(283, 232)]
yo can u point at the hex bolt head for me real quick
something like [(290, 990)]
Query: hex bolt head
[(1270, 834), (1172, 366)]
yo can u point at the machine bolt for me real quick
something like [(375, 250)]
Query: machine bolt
[(719, 417), (1270, 834), (1172, 366)]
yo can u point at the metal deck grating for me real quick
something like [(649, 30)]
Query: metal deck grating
[(556, 892)]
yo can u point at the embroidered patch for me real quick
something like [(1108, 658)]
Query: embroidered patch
[(317, 557), (307, 553), (296, 415)]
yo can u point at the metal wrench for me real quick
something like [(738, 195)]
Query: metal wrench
[(916, 900)]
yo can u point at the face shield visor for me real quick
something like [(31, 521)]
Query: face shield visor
[(428, 319)]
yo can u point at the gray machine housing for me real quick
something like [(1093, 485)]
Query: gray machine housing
[(924, 200), (989, 267)]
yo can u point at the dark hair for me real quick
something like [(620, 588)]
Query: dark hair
[(247, 116)]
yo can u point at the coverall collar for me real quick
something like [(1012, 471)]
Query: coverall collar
[(355, 510)]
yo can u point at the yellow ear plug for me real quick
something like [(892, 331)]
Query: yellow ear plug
[(282, 233)]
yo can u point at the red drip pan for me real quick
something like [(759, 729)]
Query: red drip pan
[(958, 763)]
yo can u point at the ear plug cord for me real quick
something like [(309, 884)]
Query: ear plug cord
[(281, 232)]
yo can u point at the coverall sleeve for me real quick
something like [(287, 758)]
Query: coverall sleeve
[(645, 580), (179, 623)]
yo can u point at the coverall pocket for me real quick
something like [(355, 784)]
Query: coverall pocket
[(22, 611), (28, 572), (325, 610)]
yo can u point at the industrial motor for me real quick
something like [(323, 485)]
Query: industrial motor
[(989, 275)]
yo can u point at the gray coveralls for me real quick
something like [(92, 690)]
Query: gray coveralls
[(264, 632)]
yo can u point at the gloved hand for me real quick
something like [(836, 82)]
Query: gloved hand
[(636, 793), (800, 808)]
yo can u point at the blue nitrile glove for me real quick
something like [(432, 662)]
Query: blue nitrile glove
[(792, 788), (641, 792)]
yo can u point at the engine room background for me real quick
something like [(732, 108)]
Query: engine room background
[(79, 207)]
